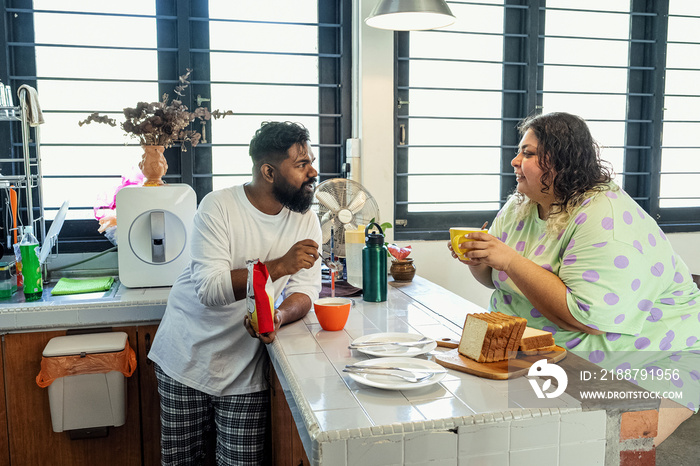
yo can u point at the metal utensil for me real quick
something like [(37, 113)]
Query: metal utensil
[(407, 378), (411, 370), (422, 342)]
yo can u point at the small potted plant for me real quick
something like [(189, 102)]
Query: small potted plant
[(402, 268)]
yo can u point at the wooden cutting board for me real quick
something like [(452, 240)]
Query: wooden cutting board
[(500, 370)]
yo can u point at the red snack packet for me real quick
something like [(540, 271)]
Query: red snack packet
[(259, 302)]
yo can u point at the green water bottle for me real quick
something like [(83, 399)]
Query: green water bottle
[(374, 274), (31, 268)]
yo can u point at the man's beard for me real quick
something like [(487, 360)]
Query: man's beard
[(296, 200)]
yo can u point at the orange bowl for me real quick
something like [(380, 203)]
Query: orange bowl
[(332, 313)]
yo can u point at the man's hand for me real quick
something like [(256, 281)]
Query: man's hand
[(302, 255), (266, 338)]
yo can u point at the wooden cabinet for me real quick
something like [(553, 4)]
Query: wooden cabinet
[(32, 440), (150, 400), (27, 437), (287, 449), (4, 446)]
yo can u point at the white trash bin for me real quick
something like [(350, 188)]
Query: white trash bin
[(87, 401)]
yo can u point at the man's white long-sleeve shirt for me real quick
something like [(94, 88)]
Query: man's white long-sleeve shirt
[(201, 341)]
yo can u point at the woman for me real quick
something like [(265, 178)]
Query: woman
[(575, 255)]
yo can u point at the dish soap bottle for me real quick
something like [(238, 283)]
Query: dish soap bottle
[(31, 268), (374, 274)]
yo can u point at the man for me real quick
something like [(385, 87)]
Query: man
[(211, 373)]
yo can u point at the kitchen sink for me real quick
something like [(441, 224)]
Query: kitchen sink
[(47, 298)]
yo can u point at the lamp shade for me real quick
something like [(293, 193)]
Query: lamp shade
[(410, 15)]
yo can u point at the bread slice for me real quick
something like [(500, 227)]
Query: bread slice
[(534, 339), (519, 326), (497, 348), (535, 352), (491, 336), (476, 338)]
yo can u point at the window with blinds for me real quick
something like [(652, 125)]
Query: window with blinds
[(625, 66), (264, 60)]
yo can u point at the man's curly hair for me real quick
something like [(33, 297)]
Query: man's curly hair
[(273, 139)]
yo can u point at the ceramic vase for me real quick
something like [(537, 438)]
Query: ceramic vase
[(153, 165), (403, 270)]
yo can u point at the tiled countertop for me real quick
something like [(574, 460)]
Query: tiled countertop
[(118, 306), (463, 419)]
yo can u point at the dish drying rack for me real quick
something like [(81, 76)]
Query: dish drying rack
[(26, 182)]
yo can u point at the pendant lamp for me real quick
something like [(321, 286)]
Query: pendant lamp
[(410, 15)]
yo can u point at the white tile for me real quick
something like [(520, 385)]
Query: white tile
[(159, 293), (446, 462), (583, 427), (443, 408), (327, 393), (45, 319), (334, 453), (129, 294), (534, 432), (582, 454), (384, 407), (527, 399), (375, 451), (495, 459), (7, 320), (415, 315), (335, 348), (548, 456), (431, 392), (295, 328), (480, 397), (342, 419), (484, 439), (430, 447), (311, 365), (436, 331), (299, 344)]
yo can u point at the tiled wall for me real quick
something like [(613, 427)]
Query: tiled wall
[(571, 439)]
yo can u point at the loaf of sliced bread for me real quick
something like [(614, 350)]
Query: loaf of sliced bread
[(535, 339), (491, 336)]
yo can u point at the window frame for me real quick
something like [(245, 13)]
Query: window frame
[(183, 26), (522, 90)]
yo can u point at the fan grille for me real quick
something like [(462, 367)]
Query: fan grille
[(341, 205)]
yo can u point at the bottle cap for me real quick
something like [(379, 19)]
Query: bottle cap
[(374, 239)]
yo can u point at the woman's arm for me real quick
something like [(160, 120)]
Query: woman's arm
[(481, 272), (545, 290)]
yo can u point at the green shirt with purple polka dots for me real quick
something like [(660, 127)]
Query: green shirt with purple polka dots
[(623, 278)]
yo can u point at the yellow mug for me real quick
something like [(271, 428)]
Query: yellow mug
[(457, 236)]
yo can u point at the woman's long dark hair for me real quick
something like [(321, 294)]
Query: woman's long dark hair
[(569, 158)]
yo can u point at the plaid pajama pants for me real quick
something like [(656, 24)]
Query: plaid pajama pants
[(187, 415)]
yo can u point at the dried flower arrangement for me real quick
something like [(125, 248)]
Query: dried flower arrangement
[(161, 123)]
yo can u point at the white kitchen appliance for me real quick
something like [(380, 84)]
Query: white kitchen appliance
[(154, 224)]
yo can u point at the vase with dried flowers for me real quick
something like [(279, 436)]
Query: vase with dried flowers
[(159, 125)]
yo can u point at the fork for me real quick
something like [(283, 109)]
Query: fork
[(411, 370), (422, 342), (407, 378)]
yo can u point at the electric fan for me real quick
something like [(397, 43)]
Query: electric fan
[(341, 205)]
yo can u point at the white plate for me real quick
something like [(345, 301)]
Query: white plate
[(389, 382), (394, 350)]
